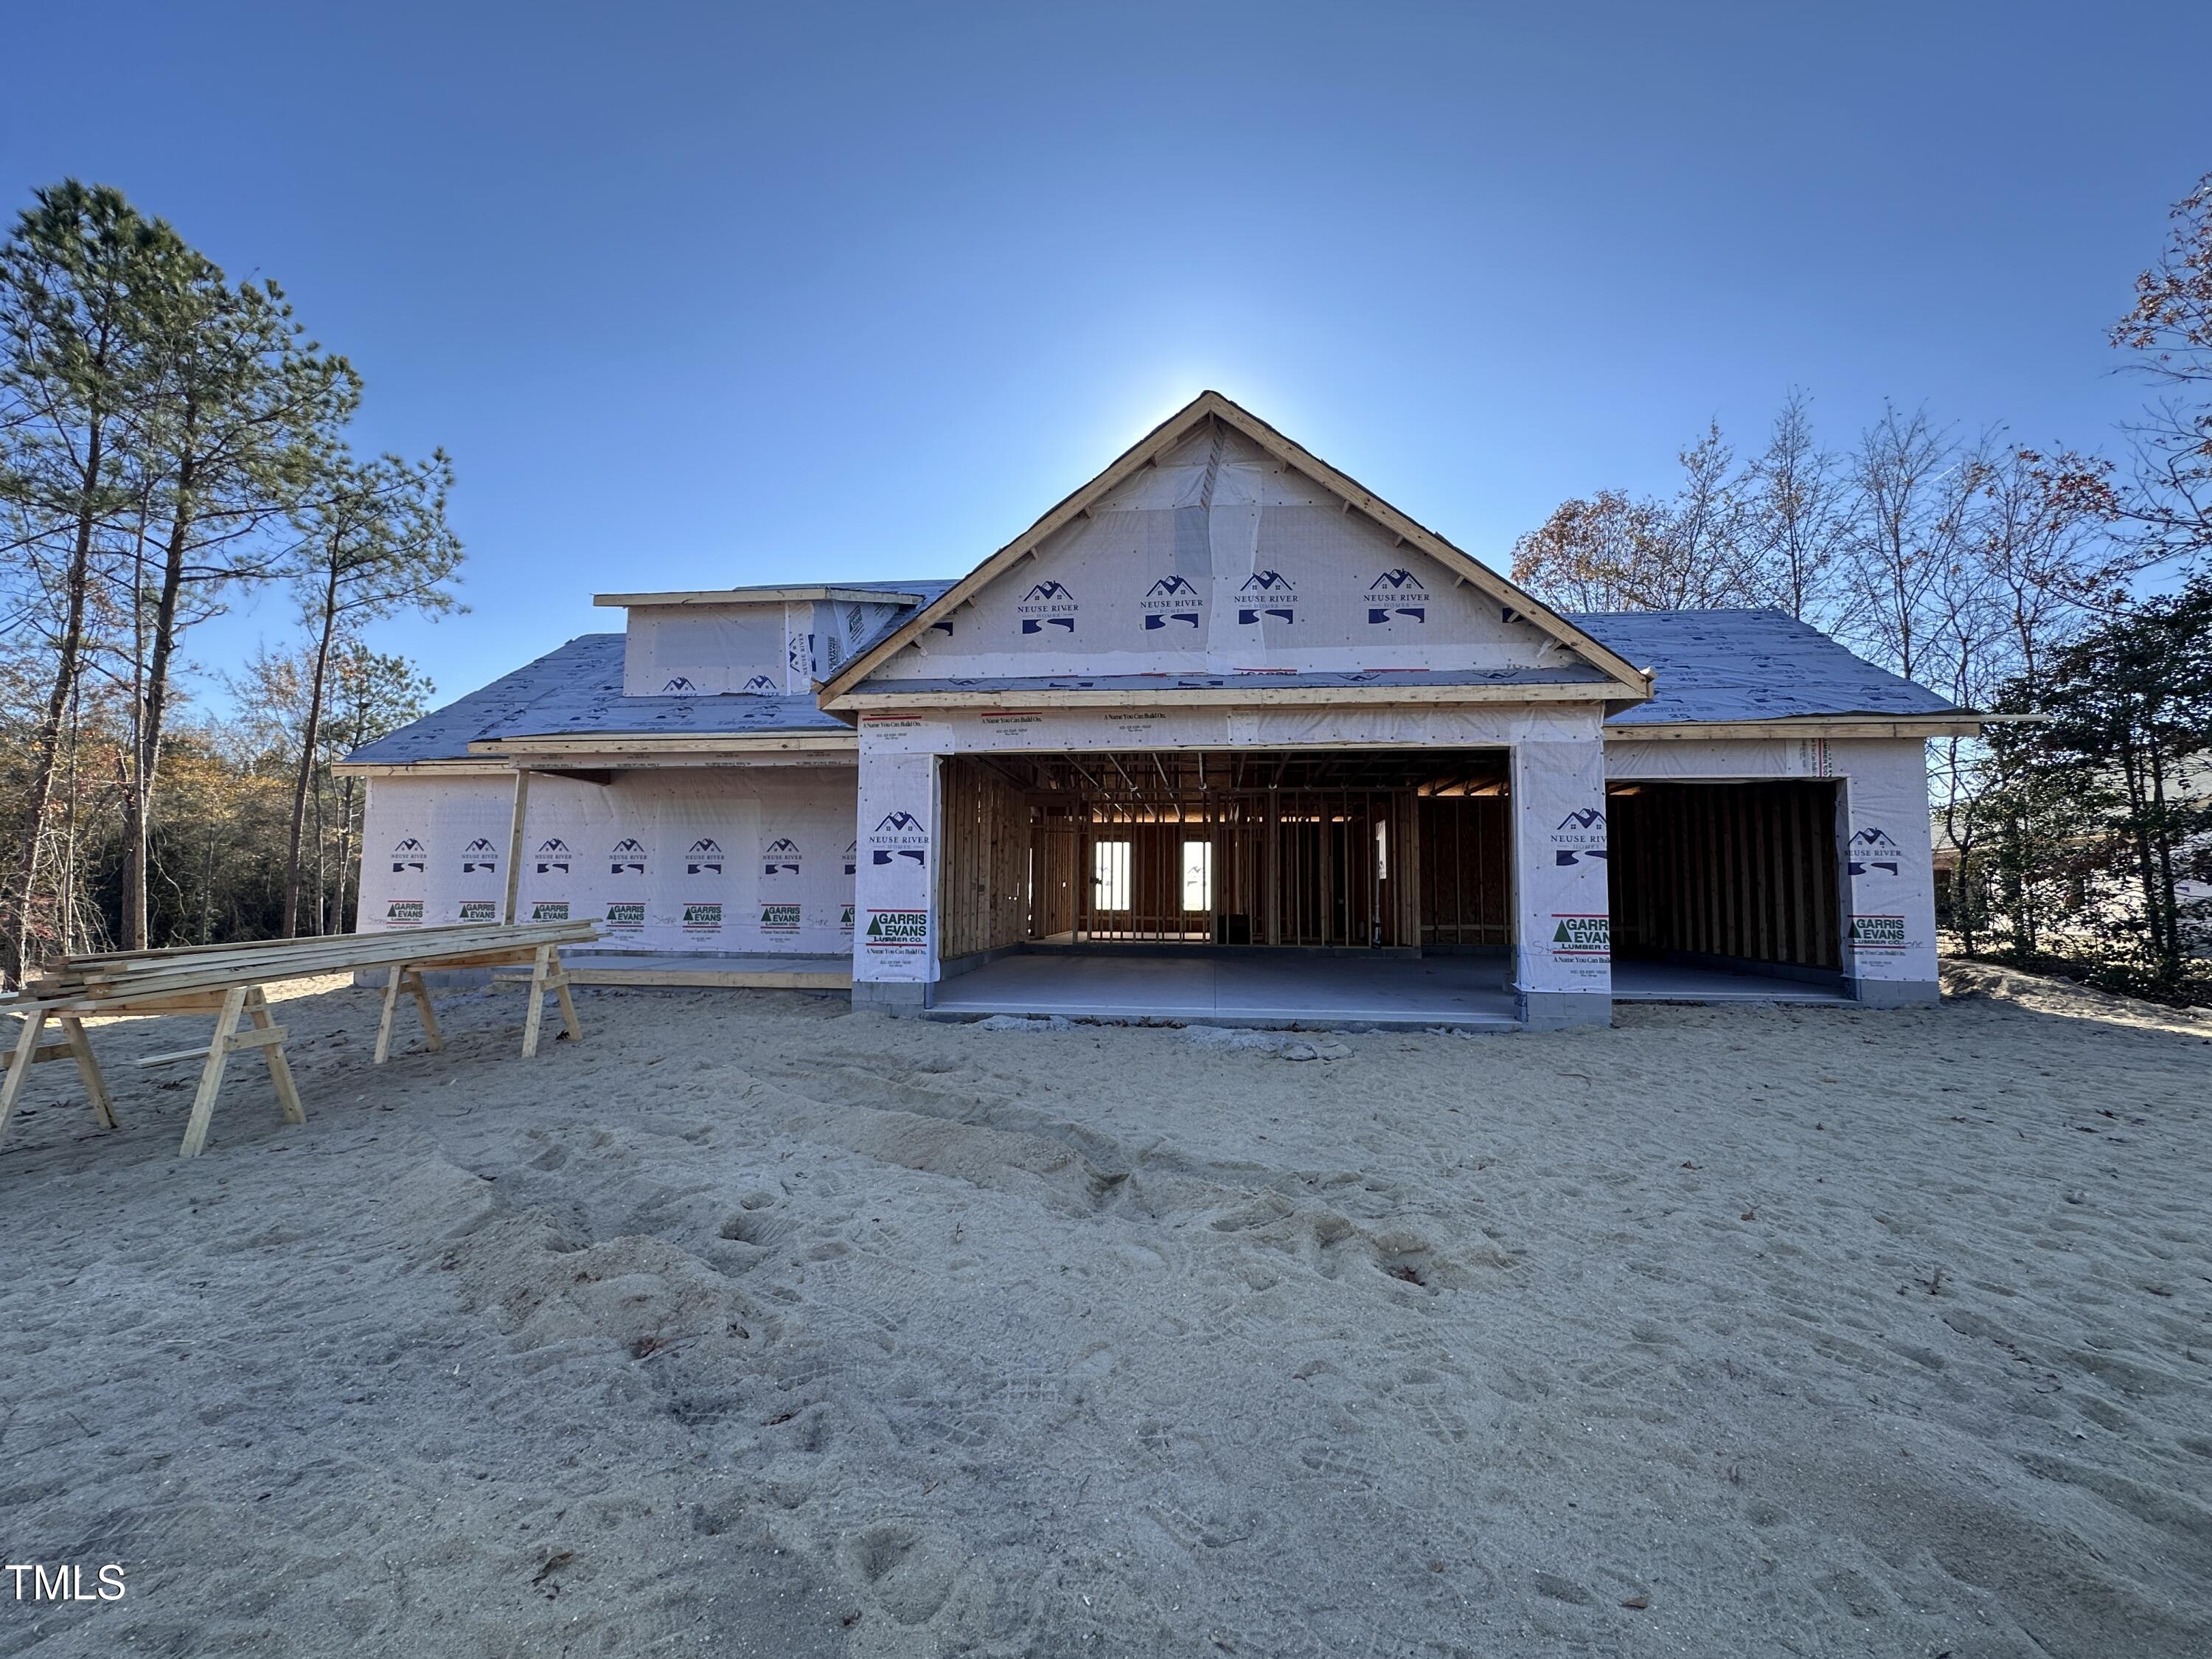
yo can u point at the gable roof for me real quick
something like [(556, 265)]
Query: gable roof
[(1623, 678)]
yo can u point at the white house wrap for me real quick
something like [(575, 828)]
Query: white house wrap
[(1221, 702)]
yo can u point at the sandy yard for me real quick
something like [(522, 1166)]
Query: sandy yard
[(751, 1326)]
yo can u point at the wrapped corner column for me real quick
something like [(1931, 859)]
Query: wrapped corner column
[(894, 882), (1889, 878), (1563, 957)]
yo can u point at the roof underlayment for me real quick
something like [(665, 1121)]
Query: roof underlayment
[(1711, 666)]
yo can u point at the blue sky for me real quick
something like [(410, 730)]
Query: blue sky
[(698, 296)]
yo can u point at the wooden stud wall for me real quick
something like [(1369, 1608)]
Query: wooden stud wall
[(983, 881), (1746, 870), (1466, 884)]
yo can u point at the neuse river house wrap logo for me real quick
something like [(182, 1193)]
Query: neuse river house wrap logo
[(760, 686), (1048, 605), (1875, 849), (1402, 596), (780, 857), (899, 839), (409, 855), (553, 856), (626, 857), (852, 862), (479, 855), (1267, 593), (1171, 602), (1581, 835), (898, 930), (703, 857)]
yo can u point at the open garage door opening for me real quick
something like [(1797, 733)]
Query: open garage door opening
[(1274, 865), (1725, 879)]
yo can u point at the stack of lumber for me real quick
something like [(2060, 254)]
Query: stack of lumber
[(227, 981), (185, 973)]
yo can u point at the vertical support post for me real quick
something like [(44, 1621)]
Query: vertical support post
[(19, 1063), (1563, 956), (515, 841), (88, 1068), (390, 1004), (568, 1020), (421, 992), (226, 1027), (280, 1068)]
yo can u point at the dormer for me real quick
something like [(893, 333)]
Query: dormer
[(764, 641)]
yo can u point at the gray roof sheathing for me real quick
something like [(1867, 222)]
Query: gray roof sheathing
[(1711, 666), (1718, 666)]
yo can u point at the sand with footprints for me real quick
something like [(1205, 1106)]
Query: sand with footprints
[(752, 1326)]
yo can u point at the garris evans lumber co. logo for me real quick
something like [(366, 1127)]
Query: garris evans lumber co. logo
[(553, 855), (898, 930), (1402, 585), (779, 919), (480, 855), (626, 914), (1171, 599), (1047, 604), (404, 913), (1873, 849), (1265, 593), (1581, 835), (780, 857), (899, 837), (703, 858), (703, 918), (409, 855), (759, 686), (627, 857), (479, 910), (1581, 936), (1878, 933), (550, 910)]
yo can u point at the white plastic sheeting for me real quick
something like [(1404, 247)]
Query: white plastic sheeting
[(1358, 726), (1691, 758), (895, 929), (1890, 932), (766, 649), (1563, 906), (687, 650), (1219, 558), (734, 860)]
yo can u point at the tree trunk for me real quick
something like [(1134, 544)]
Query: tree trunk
[(47, 747), (139, 804), (308, 757)]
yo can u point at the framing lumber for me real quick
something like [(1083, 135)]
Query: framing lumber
[(230, 981)]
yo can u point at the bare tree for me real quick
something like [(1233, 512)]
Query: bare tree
[(1797, 522), (2169, 330)]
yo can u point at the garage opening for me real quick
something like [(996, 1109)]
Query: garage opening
[(1178, 856), (1741, 877)]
